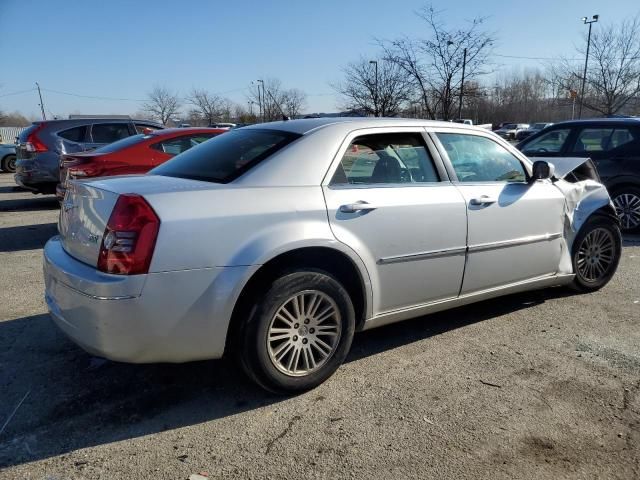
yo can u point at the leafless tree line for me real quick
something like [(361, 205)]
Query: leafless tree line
[(423, 77), (205, 108)]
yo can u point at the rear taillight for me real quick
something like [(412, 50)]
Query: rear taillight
[(85, 170), (130, 237), (33, 142)]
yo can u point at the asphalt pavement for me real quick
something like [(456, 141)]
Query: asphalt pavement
[(541, 385)]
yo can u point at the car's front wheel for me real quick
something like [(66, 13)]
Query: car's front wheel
[(596, 253), (299, 332), (627, 204)]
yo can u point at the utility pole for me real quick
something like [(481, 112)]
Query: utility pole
[(263, 104), (375, 93), (251, 102), (464, 66), (44, 117), (593, 20)]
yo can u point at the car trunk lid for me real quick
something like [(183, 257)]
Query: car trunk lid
[(88, 205), (84, 215)]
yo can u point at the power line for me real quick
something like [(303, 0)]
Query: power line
[(18, 92), (93, 96)]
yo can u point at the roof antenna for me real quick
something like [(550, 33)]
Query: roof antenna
[(284, 117)]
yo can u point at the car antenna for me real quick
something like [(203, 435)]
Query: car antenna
[(284, 117)]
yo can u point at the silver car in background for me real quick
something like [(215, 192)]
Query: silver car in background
[(276, 242)]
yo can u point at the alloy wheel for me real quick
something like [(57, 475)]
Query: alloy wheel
[(595, 255), (627, 207), (304, 333)]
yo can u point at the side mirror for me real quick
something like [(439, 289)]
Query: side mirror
[(542, 170)]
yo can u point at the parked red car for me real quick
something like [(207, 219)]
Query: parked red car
[(131, 155)]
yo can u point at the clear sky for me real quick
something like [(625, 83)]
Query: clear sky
[(122, 48)]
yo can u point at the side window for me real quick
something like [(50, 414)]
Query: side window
[(550, 142), (386, 158), (76, 134), (109, 132), (480, 159), (620, 137), (178, 145), (593, 140)]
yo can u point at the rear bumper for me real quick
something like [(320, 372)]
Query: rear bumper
[(39, 174), (161, 317)]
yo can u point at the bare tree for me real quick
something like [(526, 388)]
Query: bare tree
[(210, 107), (613, 74), (162, 104), (294, 101), (435, 65), (381, 95), (274, 101)]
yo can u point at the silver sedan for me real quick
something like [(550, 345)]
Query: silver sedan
[(277, 242)]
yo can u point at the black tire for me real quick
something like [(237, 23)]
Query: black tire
[(9, 163), (594, 226), (254, 352), (626, 199)]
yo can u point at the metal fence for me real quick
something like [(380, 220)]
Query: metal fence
[(9, 134)]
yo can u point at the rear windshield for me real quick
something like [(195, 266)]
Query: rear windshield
[(226, 157), (120, 144)]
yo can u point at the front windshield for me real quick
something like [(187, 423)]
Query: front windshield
[(226, 157), (538, 126)]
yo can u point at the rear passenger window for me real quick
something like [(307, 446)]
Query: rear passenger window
[(175, 146), (593, 140), (480, 159), (76, 134), (386, 158), (109, 132)]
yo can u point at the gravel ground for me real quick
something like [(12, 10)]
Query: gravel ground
[(541, 385)]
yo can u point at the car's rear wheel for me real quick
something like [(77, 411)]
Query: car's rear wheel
[(9, 163), (627, 204), (299, 332), (596, 253)]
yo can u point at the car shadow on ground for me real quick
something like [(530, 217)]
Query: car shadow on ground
[(26, 237), (57, 398), (48, 202)]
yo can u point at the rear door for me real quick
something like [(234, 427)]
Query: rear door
[(393, 204), (515, 227)]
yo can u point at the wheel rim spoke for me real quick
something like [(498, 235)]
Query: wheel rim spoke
[(304, 333), (627, 207), (595, 255)]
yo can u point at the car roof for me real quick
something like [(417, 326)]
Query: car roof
[(603, 120), (305, 126), (187, 130)]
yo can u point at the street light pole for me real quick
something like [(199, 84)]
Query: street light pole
[(375, 94), (464, 66), (593, 20), (44, 117), (263, 102)]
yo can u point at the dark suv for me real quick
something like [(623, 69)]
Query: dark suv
[(614, 146), (40, 146)]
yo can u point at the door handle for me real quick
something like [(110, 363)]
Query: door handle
[(357, 207), (483, 200)]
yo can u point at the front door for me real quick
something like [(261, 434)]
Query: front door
[(515, 226), (390, 203)]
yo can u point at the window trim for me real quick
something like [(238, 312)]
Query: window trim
[(523, 159), (352, 135)]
